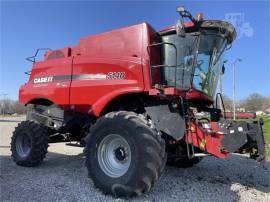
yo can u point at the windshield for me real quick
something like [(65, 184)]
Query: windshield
[(209, 63), (194, 61)]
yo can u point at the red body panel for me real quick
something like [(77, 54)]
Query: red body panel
[(207, 140), (57, 91), (97, 93), (81, 74)]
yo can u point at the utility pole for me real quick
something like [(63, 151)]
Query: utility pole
[(237, 60), (3, 102)]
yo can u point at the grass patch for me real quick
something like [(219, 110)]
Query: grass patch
[(266, 133)]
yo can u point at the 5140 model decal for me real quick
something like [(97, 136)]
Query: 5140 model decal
[(116, 75)]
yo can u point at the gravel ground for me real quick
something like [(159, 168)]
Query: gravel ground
[(63, 177)]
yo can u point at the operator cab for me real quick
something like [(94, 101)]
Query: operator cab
[(191, 55)]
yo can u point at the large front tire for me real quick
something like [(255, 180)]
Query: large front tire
[(29, 143), (125, 155)]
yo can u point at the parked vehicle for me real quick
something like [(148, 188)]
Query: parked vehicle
[(241, 115), (128, 96)]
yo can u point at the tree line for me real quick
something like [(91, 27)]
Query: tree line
[(8, 106), (254, 102)]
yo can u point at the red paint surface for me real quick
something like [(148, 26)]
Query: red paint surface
[(120, 50), (210, 139)]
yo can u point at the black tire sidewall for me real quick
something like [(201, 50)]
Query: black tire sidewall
[(17, 135), (38, 135), (127, 131)]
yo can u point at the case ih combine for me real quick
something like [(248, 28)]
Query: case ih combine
[(129, 96)]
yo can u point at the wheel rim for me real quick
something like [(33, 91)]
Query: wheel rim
[(114, 155), (23, 145)]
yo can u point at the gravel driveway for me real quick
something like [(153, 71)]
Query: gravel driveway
[(63, 177)]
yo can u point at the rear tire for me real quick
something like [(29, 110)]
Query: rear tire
[(29, 143), (125, 156)]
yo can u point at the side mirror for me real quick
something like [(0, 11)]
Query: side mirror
[(223, 69), (180, 29)]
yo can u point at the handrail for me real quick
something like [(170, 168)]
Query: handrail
[(33, 58), (158, 66), (28, 72)]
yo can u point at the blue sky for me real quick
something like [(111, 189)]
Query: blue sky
[(27, 25)]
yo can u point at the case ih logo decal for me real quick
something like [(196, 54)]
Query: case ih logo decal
[(46, 79), (98, 76)]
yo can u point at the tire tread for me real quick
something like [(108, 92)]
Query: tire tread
[(153, 162), (39, 135)]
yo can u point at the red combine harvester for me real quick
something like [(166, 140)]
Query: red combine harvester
[(129, 96)]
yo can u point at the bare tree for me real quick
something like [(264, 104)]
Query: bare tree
[(8, 106), (19, 108), (255, 102), (5, 106)]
